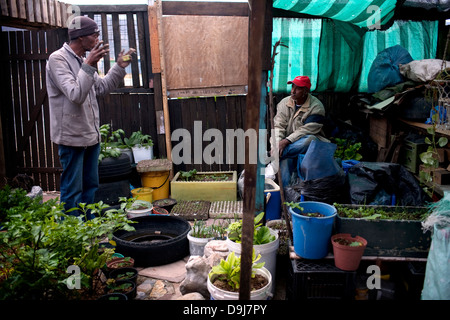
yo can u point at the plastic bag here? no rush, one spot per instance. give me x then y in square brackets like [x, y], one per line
[318, 161]
[385, 71]
[436, 285]
[370, 182]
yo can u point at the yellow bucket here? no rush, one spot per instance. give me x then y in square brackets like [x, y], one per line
[158, 181]
[143, 194]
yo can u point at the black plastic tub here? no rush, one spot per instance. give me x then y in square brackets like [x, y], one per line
[392, 238]
[157, 240]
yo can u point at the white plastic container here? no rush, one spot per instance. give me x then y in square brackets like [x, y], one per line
[142, 153]
[197, 245]
[264, 293]
[268, 253]
[133, 212]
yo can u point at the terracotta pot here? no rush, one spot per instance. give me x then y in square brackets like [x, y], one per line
[158, 210]
[166, 203]
[347, 257]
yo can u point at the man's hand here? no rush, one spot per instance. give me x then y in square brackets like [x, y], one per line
[98, 52]
[123, 60]
[282, 144]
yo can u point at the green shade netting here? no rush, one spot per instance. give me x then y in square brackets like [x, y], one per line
[362, 13]
[337, 56]
[302, 38]
[418, 37]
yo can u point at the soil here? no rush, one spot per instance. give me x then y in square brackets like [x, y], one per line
[258, 282]
[312, 214]
[212, 177]
[346, 242]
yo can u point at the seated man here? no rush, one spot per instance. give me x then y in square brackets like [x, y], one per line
[298, 121]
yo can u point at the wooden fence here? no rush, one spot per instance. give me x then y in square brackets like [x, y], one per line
[24, 108]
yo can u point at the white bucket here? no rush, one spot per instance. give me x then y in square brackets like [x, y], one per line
[268, 253]
[142, 153]
[264, 293]
[197, 245]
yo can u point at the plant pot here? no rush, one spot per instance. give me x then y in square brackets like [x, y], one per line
[197, 245]
[394, 238]
[160, 211]
[166, 203]
[268, 253]
[155, 174]
[312, 234]
[264, 293]
[347, 257]
[126, 273]
[205, 190]
[142, 153]
[113, 296]
[139, 208]
[144, 193]
[130, 291]
[120, 262]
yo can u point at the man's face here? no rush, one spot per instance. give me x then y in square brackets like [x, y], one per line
[90, 41]
[299, 94]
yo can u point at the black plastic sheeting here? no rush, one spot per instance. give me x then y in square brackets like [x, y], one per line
[376, 182]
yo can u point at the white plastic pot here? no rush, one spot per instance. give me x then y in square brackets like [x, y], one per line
[197, 245]
[142, 153]
[133, 213]
[268, 253]
[264, 293]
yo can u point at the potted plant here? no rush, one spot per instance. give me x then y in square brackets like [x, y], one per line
[265, 241]
[120, 262]
[201, 234]
[125, 273]
[208, 186]
[161, 211]
[166, 203]
[223, 281]
[125, 287]
[389, 230]
[312, 224]
[348, 251]
[141, 144]
[139, 208]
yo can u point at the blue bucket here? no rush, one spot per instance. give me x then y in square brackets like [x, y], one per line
[312, 234]
[273, 200]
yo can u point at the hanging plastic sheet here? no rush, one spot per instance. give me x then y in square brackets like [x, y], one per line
[437, 281]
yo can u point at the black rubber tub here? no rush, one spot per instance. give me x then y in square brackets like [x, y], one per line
[158, 240]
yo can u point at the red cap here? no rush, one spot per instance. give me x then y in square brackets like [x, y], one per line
[301, 81]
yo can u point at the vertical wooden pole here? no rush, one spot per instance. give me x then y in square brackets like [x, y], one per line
[256, 32]
[156, 6]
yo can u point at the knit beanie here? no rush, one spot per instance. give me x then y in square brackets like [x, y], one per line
[81, 26]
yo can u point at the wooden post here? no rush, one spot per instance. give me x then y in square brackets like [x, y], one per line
[155, 6]
[256, 32]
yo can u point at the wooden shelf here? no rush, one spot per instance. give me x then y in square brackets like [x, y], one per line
[425, 126]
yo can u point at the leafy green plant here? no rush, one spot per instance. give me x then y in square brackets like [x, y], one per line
[346, 150]
[430, 158]
[216, 230]
[376, 212]
[137, 138]
[229, 270]
[41, 242]
[261, 234]
[294, 205]
[109, 142]
[186, 175]
[13, 197]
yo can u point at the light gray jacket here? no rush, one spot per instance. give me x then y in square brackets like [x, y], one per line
[72, 87]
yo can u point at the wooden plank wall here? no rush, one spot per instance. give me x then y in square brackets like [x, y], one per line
[35, 13]
[24, 112]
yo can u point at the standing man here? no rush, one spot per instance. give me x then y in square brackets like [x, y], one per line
[72, 85]
[298, 121]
